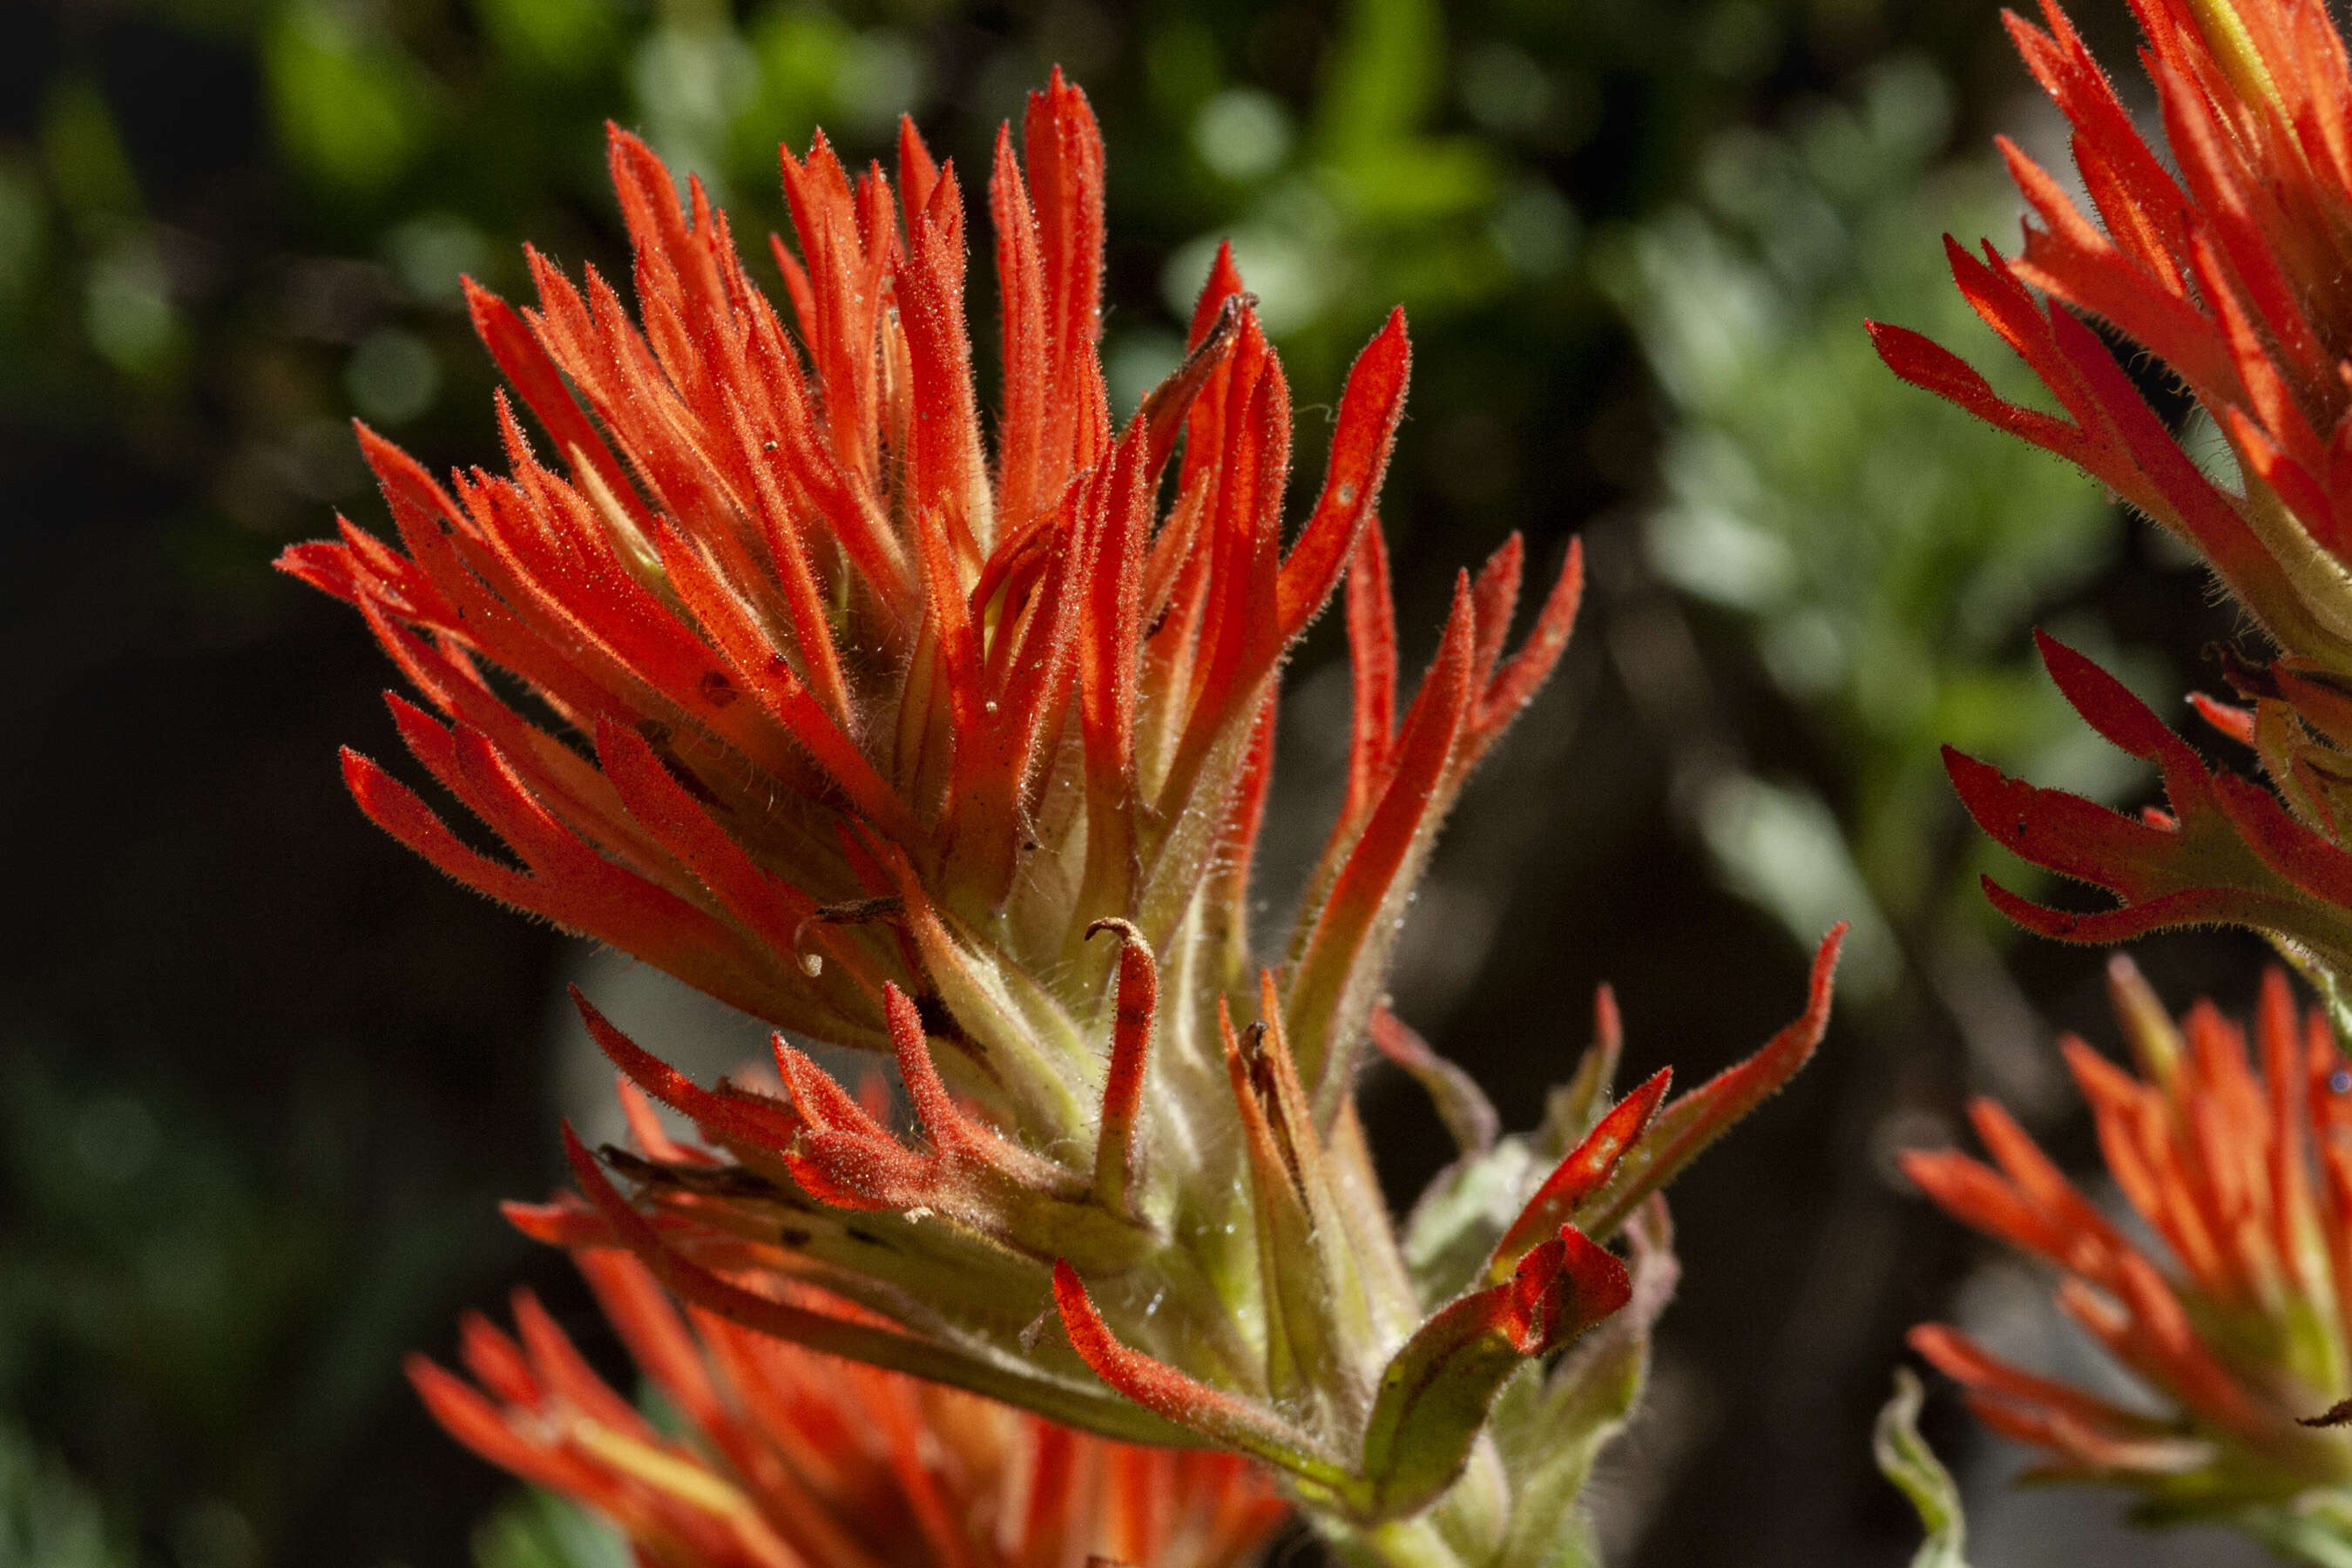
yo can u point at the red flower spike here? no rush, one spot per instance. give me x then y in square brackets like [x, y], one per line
[1963, 1185]
[1511, 685]
[2237, 723]
[497, 1363]
[2230, 851]
[965, 1147]
[2246, 1335]
[873, 723]
[773, 1473]
[715, 502]
[2231, 274]
[476, 1423]
[1373, 664]
[1370, 411]
[1964, 1360]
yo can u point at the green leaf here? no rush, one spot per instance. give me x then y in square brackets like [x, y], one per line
[349, 106]
[2315, 1528]
[562, 39]
[1386, 73]
[48, 1517]
[90, 167]
[535, 1528]
[1905, 1458]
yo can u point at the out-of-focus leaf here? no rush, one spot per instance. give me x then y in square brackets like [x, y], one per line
[1385, 74]
[800, 50]
[349, 108]
[550, 37]
[2316, 1529]
[535, 1528]
[83, 148]
[1905, 1458]
[186, 1292]
[48, 1517]
[1882, 567]
[1419, 181]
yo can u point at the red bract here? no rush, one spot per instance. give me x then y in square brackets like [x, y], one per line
[793, 1459]
[2228, 264]
[864, 706]
[2226, 851]
[902, 743]
[2231, 272]
[2244, 1175]
[1333, 1369]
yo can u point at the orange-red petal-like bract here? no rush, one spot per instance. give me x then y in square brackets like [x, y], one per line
[793, 1460]
[2241, 1170]
[955, 749]
[2229, 260]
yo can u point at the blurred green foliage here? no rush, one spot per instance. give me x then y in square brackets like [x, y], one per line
[1885, 558]
[205, 1325]
[49, 1519]
[218, 278]
[538, 1530]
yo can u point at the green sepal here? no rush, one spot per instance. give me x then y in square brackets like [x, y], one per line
[1436, 1391]
[1551, 1431]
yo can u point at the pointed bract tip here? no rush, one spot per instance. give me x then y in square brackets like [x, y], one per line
[1918, 1165]
[1825, 959]
[2227, 718]
[1608, 1023]
[568, 1222]
[584, 1168]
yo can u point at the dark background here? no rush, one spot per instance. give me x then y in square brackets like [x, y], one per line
[266, 1075]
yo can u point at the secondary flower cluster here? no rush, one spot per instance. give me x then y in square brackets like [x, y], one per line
[2225, 263]
[2244, 1175]
[960, 758]
[793, 1460]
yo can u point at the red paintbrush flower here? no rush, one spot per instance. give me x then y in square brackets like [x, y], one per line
[831, 656]
[2244, 1175]
[886, 732]
[793, 1459]
[2228, 265]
